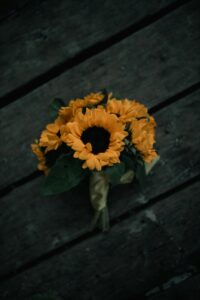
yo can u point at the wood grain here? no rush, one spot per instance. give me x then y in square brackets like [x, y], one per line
[50, 32]
[152, 65]
[32, 225]
[136, 255]
[10, 8]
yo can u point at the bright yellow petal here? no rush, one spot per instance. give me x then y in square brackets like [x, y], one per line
[97, 117]
[54, 128]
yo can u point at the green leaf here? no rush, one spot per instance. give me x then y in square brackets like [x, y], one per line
[135, 163]
[54, 106]
[52, 156]
[115, 172]
[64, 175]
[130, 148]
[129, 161]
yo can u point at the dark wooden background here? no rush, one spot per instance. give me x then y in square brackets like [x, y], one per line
[147, 50]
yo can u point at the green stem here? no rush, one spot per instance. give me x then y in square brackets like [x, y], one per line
[101, 219]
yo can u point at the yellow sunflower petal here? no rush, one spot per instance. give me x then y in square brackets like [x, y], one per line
[89, 147]
[41, 158]
[94, 98]
[54, 128]
[126, 109]
[143, 137]
[72, 133]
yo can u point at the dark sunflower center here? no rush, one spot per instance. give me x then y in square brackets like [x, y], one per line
[98, 137]
[58, 134]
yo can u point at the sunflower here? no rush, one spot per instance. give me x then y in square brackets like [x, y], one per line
[50, 137]
[143, 137]
[96, 137]
[74, 105]
[126, 109]
[93, 98]
[66, 113]
[40, 155]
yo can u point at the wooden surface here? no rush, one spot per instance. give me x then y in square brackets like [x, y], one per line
[180, 288]
[51, 32]
[151, 73]
[11, 8]
[152, 250]
[33, 242]
[134, 257]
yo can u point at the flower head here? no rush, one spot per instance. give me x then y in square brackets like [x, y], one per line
[50, 137]
[96, 137]
[68, 112]
[93, 98]
[143, 137]
[40, 155]
[126, 109]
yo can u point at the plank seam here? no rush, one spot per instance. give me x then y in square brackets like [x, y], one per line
[18, 183]
[181, 95]
[88, 53]
[150, 295]
[89, 234]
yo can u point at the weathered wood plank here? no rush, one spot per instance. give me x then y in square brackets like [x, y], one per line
[189, 289]
[50, 32]
[11, 7]
[185, 213]
[32, 225]
[151, 65]
[136, 255]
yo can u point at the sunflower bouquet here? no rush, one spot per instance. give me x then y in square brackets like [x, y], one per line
[108, 140]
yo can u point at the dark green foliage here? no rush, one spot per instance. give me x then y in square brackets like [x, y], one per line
[133, 161]
[115, 172]
[54, 106]
[53, 155]
[64, 175]
[129, 161]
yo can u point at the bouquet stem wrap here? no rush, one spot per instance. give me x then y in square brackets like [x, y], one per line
[99, 189]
